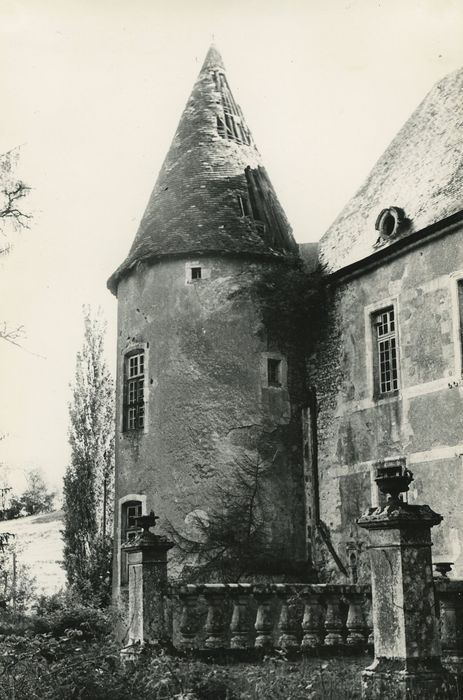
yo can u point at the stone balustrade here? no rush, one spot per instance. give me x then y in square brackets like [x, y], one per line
[281, 616]
[309, 617]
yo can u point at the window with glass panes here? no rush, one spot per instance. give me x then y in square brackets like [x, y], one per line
[387, 378]
[134, 406]
[133, 512]
[130, 511]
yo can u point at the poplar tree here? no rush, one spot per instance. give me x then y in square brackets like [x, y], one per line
[89, 478]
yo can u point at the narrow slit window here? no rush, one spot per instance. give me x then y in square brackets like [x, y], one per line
[273, 372]
[134, 404]
[387, 379]
[195, 273]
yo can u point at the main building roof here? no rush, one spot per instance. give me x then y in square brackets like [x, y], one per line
[421, 173]
[212, 194]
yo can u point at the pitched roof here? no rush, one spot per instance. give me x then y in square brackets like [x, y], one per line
[420, 173]
[212, 194]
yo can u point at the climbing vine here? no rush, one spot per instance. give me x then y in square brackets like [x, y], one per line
[292, 303]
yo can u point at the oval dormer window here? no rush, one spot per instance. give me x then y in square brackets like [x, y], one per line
[389, 222]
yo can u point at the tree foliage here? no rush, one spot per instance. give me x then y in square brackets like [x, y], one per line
[36, 497]
[223, 542]
[17, 584]
[231, 541]
[89, 479]
[292, 305]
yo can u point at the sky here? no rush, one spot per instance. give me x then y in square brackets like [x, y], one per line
[92, 91]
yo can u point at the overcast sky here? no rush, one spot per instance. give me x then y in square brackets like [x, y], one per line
[93, 90]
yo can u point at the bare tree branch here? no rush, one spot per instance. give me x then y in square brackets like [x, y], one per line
[12, 192]
[10, 208]
[12, 335]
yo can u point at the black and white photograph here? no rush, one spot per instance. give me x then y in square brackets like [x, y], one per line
[231, 350]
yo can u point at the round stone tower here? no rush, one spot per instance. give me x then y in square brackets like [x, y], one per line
[201, 386]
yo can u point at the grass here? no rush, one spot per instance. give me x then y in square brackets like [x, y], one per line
[41, 667]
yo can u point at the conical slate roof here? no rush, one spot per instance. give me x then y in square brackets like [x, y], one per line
[421, 173]
[212, 194]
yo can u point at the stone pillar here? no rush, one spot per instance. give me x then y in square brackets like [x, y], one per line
[147, 558]
[407, 644]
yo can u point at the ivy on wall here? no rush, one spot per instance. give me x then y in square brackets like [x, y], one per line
[292, 303]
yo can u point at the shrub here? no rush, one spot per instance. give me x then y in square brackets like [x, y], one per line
[66, 652]
[57, 614]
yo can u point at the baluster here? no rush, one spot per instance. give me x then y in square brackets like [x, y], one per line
[287, 638]
[187, 627]
[333, 621]
[238, 627]
[312, 623]
[355, 620]
[215, 627]
[263, 625]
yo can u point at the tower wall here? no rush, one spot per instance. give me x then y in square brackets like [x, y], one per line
[207, 399]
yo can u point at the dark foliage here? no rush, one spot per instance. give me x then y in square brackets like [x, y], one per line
[231, 543]
[71, 666]
[292, 303]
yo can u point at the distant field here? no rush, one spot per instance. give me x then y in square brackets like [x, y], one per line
[40, 547]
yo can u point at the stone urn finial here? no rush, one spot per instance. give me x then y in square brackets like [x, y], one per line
[393, 478]
[443, 568]
[146, 521]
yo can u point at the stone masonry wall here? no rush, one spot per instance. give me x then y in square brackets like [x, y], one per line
[424, 422]
[207, 402]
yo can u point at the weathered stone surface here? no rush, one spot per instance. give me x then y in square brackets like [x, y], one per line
[147, 588]
[194, 207]
[207, 401]
[395, 683]
[421, 172]
[423, 421]
[407, 640]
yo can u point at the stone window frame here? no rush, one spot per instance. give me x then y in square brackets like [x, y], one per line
[120, 555]
[204, 275]
[129, 350]
[283, 370]
[456, 282]
[372, 366]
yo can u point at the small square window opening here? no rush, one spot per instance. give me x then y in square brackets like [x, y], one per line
[195, 273]
[273, 372]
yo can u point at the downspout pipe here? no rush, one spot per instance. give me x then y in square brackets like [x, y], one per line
[320, 526]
